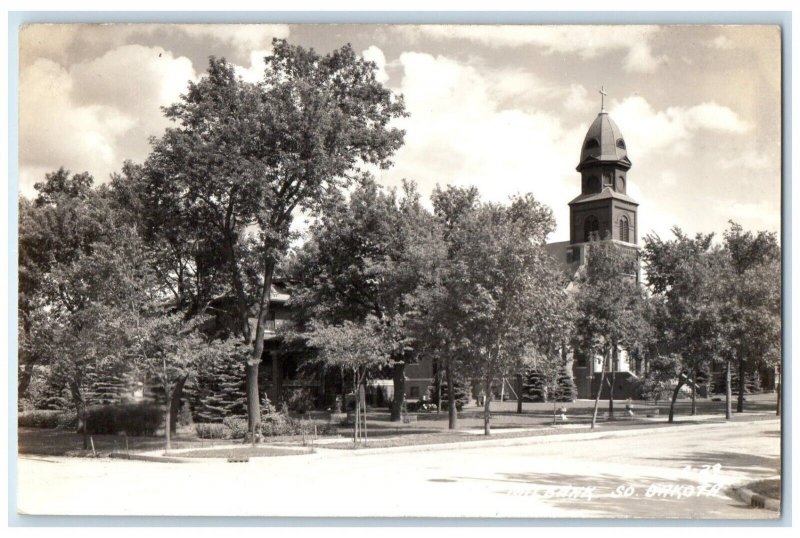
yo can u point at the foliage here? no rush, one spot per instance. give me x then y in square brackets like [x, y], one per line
[687, 272]
[237, 427]
[752, 301]
[355, 347]
[534, 386]
[609, 302]
[500, 296]
[40, 418]
[243, 157]
[211, 430]
[133, 419]
[460, 396]
[662, 372]
[565, 389]
[367, 256]
[299, 400]
[219, 389]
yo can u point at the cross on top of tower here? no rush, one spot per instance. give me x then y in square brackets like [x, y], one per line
[603, 94]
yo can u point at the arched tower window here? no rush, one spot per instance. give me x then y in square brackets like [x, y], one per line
[624, 229]
[591, 228]
[591, 144]
[593, 184]
[620, 184]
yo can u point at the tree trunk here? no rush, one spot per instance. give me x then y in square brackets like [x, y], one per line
[253, 404]
[519, 393]
[168, 422]
[740, 399]
[253, 407]
[24, 380]
[399, 382]
[694, 392]
[599, 388]
[778, 403]
[80, 411]
[613, 378]
[728, 389]
[452, 412]
[487, 416]
[681, 382]
[175, 403]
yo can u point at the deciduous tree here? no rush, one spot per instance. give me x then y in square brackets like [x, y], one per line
[243, 158]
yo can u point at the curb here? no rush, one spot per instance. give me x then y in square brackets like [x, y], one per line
[756, 500]
[144, 457]
[176, 458]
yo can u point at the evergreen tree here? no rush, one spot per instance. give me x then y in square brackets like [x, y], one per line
[534, 387]
[565, 389]
[219, 391]
[460, 393]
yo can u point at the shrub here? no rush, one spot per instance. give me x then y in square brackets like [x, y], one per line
[212, 430]
[39, 418]
[68, 420]
[133, 419]
[326, 428]
[299, 400]
[237, 427]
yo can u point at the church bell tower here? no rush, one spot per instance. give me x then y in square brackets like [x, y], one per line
[603, 211]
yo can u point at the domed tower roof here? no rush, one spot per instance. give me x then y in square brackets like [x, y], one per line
[603, 143]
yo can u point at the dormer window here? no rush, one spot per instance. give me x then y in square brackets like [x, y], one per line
[591, 144]
[620, 143]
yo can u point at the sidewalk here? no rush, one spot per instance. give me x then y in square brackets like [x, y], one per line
[575, 432]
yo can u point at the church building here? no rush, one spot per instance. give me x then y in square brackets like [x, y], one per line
[602, 211]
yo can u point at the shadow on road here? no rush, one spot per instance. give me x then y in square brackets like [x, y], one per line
[614, 497]
[730, 461]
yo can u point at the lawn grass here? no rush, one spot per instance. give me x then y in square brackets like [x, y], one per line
[429, 428]
[243, 452]
[56, 442]
[768, 488]
[444, 437]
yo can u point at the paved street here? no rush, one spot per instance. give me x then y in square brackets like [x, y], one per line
[636, 475]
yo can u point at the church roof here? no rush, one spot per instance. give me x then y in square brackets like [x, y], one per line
[603, 142]
[605, 194]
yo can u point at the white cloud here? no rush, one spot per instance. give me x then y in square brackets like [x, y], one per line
[578, 99]
[375, 54]
[720, 42]
[255, 71]
[588, 41]
[753, 160]
[132, 77]
[640, 59]
[97, 113]
[461, 131]
[245, 37]
[760, 215]
[54, 131]
[673, 128]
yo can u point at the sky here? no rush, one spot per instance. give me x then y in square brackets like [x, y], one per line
[504, 108]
